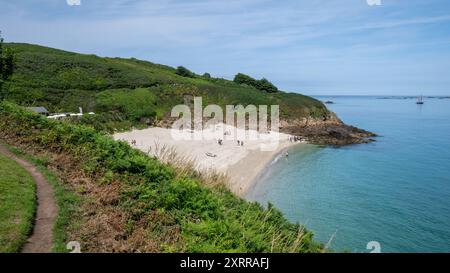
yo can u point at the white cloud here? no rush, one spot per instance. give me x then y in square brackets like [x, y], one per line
[73, 2]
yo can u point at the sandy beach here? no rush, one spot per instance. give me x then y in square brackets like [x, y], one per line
[241, 163]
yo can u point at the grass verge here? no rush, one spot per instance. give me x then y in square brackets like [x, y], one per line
[17, 205]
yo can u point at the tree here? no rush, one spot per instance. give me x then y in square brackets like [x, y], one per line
[6, 63]
[207, 75]
[183, 71]
[263, 84]
[267, 86]
[241, 78]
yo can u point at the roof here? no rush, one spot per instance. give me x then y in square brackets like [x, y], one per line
[40, 110]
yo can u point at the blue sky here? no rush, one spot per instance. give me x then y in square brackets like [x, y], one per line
[313, 47]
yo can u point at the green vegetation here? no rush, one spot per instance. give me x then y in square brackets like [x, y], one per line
[17, 205]
[134, 104]
[267, 86]
[263, 84]
[163, 207]
[6, 63]
[184, 72]
[175, 209]
[67, 201]
[129, 92]
[245, 79]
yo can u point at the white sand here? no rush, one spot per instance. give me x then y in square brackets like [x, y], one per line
[241, 164]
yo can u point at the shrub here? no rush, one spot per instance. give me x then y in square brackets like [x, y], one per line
[244, 79]
[263, 84]
[183, 71]
[267, 86]
[6, 63]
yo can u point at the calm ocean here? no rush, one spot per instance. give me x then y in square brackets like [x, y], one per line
[395, 191]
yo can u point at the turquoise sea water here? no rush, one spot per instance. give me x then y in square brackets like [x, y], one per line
[395, 191]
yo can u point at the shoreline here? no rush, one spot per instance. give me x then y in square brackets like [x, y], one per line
[245, 176]
[241, 164]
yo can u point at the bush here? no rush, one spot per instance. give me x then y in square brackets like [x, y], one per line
[245, 79]
[263, 84]
[6, 63]
[183, 71]
[267, 86]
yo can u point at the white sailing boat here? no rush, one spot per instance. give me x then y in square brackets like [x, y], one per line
[420, 100]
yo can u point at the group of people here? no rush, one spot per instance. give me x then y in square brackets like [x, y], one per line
[295, 138]
[239, 142]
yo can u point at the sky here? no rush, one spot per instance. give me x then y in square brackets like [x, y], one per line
[315, 47]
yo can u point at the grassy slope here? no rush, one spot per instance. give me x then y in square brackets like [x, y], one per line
[156, 207]
[128, 89]
[17, 205]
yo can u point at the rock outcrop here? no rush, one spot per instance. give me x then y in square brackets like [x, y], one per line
[329, 130]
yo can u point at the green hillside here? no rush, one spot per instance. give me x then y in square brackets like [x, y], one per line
[128, 91]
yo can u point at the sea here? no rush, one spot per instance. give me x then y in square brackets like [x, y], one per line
[392, 195]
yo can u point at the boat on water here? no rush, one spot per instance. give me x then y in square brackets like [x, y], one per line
[420, 100]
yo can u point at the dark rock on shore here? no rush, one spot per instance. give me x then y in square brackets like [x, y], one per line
[327, 131]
